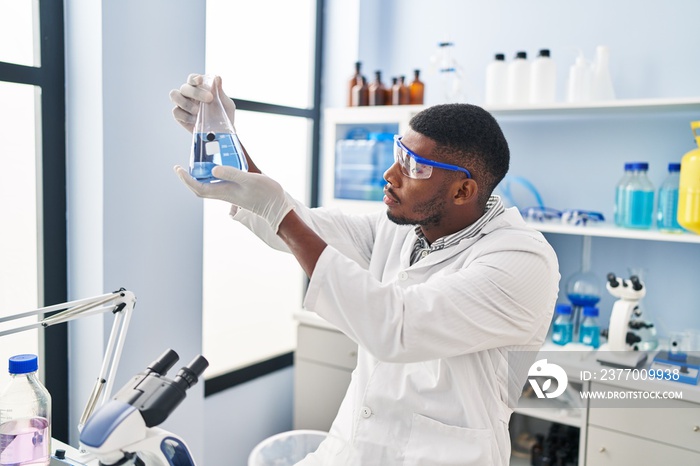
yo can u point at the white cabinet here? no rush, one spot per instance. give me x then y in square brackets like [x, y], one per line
[323, 363]
[613, 448]
[643, 435]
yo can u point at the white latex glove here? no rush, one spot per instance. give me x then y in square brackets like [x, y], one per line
[190, 94]
[254, 192]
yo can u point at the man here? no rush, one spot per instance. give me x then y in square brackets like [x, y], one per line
[439, 291]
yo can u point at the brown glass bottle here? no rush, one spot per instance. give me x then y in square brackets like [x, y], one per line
[389, 90]
[400, 94]
[353, 81]
[416, 89]
[360, 93]
[377, 91]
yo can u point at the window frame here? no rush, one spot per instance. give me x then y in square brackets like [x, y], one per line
[50, 77]
[313, 114]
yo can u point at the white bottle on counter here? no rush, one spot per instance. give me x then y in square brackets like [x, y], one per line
[543, 79]
[580, 81]
[519, 80]
[496, 81]
[602, 88]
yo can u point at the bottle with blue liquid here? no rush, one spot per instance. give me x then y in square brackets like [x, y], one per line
[667, 212]
[638, 209]
[214, 139]
[620, 195]
[563, 328]
[589, 333]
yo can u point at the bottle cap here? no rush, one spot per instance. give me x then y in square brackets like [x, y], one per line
[23, 364]
[544, 53]
[674, 167]
[500, 57]
[522, 55]
[628, 166]
[563, 309]
[590, 311]
[639, 166]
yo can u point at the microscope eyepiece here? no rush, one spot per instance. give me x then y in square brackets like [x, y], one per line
[612, 280]
[164, 363]
[636, 284]
[189, 374]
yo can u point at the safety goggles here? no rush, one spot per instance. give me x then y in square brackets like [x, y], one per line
[416, 167]
[575, 217]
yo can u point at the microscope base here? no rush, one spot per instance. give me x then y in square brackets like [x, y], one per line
[620, 359]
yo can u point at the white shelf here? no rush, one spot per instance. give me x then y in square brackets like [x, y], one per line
[620, 105]
[560, 415]
[610, 231]
[401, 113]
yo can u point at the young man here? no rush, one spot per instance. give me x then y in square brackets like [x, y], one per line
[439, 292]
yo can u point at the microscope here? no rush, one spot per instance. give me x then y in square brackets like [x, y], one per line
[123, 431]
[624, 340]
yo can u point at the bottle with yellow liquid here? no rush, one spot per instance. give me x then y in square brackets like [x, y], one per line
[689, 186]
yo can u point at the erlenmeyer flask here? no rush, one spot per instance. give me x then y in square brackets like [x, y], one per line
[214, 139]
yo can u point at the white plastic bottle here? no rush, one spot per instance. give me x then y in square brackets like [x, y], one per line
[496, 81]
[518, 84]
[25, 416]
[543, 79]
[601, 86]
[580, 81]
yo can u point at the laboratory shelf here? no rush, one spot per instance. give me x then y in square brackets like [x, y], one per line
[401, 113]
[611, 231]
[557, 413]
[610, 106]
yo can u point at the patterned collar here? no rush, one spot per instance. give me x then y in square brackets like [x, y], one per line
[421, 248]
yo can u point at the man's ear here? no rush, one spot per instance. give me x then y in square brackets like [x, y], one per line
[466, 191]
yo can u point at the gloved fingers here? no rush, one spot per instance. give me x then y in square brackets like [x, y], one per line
[186, 120]
[195, 79]
[232, 174]
[194, 185]
[228, 103]
[188, 105]
[196, 93]
[222, 191]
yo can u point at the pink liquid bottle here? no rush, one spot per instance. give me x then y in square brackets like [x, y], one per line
[25, 416]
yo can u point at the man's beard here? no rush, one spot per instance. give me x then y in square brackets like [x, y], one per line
[427, 214]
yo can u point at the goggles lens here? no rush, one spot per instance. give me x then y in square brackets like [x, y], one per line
[408, 164]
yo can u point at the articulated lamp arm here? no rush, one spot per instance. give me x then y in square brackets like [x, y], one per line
[121, 303]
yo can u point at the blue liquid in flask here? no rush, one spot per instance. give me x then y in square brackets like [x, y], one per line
[212, 149]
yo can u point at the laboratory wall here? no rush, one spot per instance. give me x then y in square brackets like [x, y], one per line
[131, 223]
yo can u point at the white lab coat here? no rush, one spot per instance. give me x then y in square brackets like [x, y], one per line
[437, 374]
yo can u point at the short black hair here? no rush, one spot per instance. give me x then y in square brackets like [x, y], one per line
[470, 137]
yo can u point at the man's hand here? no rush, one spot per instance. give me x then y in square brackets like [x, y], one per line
[194, 91]
[254, 192]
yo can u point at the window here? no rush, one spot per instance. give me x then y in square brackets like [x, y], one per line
[269, 64]
[32, 186]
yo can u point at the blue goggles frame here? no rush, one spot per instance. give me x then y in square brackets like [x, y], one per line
[417, 167]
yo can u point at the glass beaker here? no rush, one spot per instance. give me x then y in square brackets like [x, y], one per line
[214, 139]
[583, 291]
